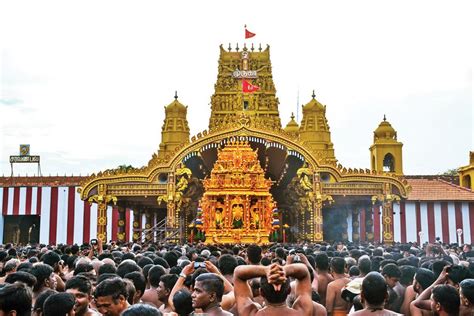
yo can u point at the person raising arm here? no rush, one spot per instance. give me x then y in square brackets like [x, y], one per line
[275, 287]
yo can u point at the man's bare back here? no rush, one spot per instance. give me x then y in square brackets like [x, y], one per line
[368, 312]
[280, 311]
[324, 278]
[334, 301]
[151, 297]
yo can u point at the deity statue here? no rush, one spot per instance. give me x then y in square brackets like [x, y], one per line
[218, 218]
[303, 174]
[237, 214]
[255, 216]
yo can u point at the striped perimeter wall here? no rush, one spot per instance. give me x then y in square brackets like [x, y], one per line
[64, 217]
[434, 219]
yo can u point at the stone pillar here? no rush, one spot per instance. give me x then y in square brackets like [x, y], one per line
[387, 222]
[102, 221]
[136, 225]
[121, 224]
[387, 215]
[369, 224]
[102, 214]
[170, 205]
[355, 225]
[362, 228]
[317, 210]
[148, 226]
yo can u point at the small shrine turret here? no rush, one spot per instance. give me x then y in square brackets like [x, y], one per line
[175, 130]
[386, 151]
[315, 132]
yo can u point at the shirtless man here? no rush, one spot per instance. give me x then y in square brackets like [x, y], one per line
[439, 298]
[207, 294]
[392, 275]
[151, 294]
[421, 281]
[373, 296]
[275, 287]
[335, 304]
[324, 278]
[466, 294]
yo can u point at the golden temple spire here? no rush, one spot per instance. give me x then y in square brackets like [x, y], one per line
[314, 130]
[229, 99]
[292, 127]
[175, 129]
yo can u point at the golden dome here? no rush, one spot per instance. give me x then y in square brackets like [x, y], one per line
[176, 107]
[385, 130]
[313, 105]
[292, 126]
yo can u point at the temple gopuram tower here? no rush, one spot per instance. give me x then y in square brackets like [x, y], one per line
[228, 100]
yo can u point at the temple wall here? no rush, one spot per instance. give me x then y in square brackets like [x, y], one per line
[433, 218]
[64, 217]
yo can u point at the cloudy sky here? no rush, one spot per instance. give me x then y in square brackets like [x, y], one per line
[85, 82]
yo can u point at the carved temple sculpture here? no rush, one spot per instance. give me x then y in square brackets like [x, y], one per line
[237, 204]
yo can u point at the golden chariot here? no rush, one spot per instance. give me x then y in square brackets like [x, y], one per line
[237, 206]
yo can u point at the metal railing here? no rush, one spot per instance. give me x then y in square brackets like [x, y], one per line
[160, 232]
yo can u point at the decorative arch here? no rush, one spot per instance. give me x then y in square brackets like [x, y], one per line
[466, 181]
[388, 164]
[275, 137]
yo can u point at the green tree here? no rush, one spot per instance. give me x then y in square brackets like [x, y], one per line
[125, 168]
[450, 172]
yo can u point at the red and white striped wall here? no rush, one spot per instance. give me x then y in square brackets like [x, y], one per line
[434, 219]
[64, 217]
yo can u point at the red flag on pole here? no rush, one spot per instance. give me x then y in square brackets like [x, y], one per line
[248, 34]
[247, 87]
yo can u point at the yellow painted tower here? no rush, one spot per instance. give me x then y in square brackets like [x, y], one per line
[386, 151]
[466, 173]
[314, 131]
[292, 127]
[175, 130]
[229, 101]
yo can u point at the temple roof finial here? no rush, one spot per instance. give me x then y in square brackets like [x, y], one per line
[292, 116]
[313, 95]
[176, 95]
[384, 118]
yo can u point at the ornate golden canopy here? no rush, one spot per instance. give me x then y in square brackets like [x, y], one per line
[237, 204]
